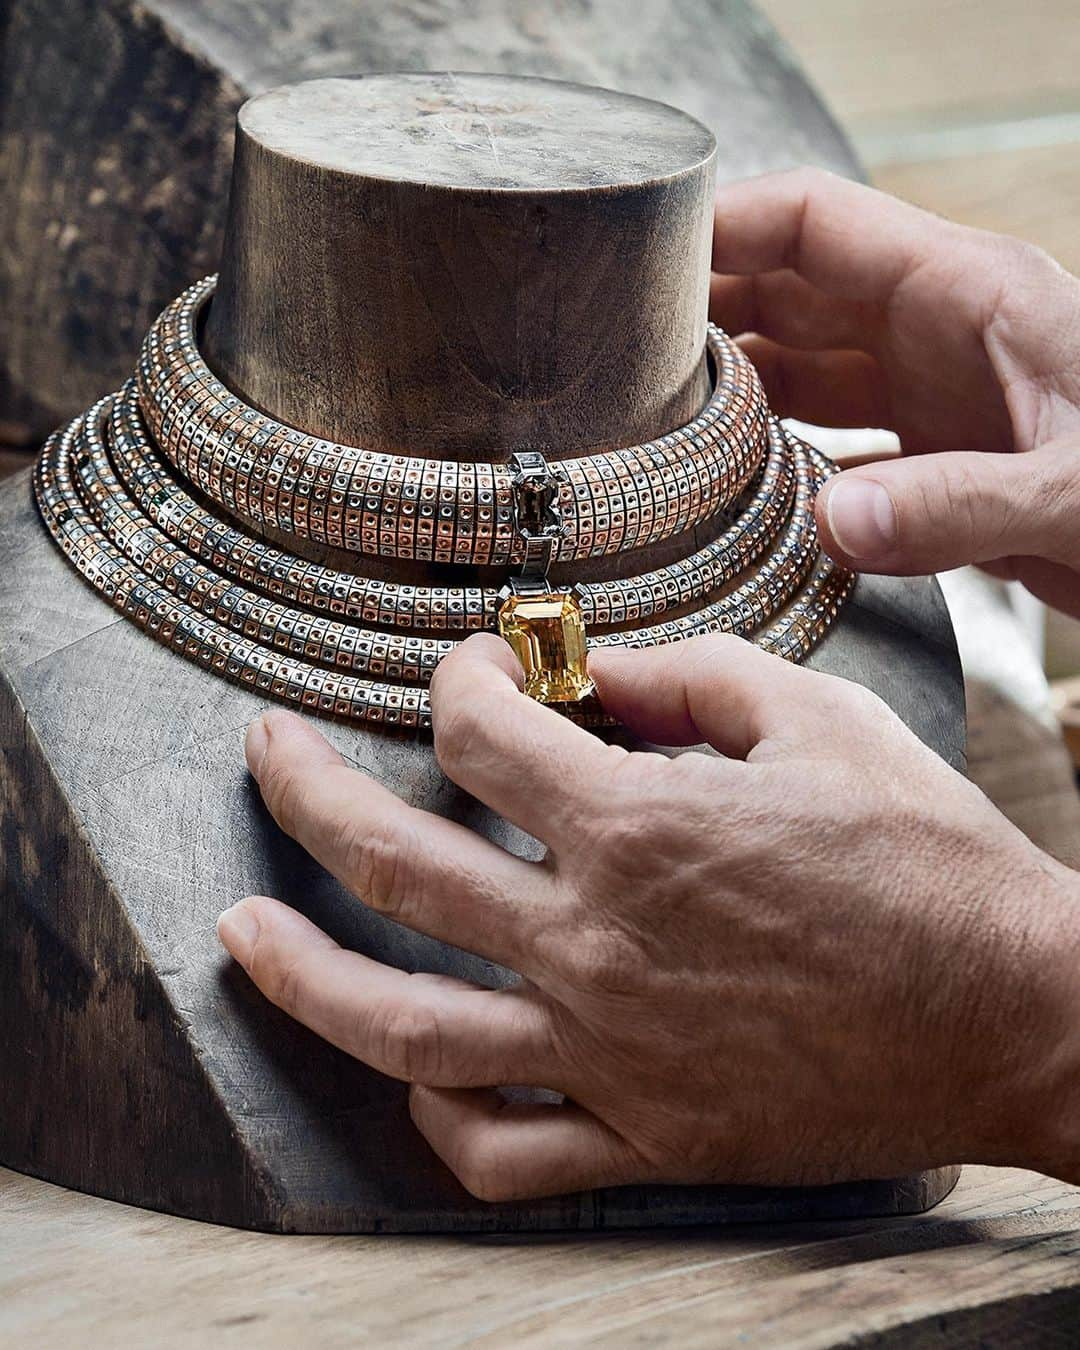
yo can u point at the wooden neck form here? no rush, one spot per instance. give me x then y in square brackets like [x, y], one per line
[461, 266]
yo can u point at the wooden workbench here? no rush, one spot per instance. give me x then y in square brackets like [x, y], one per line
[996, 1264]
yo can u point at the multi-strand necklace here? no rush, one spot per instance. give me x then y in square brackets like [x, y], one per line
[156, 494]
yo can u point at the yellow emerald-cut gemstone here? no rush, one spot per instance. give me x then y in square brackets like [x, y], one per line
[547, 633]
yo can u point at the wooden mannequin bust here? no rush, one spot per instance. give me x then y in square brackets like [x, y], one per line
[449, 265]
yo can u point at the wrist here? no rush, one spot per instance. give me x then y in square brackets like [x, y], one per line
[1032, 1072]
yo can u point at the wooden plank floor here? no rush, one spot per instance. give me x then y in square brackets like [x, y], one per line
[935, 92]
[887, 59]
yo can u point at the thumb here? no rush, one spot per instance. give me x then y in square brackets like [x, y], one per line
[928, 513]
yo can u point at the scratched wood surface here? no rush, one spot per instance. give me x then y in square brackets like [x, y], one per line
[491, 263]
[1031, 193]
[996, 1265]
[118, 128]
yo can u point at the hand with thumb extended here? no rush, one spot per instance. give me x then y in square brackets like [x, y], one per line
[860, 310]
[1017, 515]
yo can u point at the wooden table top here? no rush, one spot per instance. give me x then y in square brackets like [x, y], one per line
[997, 1263]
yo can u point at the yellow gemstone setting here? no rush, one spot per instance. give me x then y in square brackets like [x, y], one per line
[546, 630]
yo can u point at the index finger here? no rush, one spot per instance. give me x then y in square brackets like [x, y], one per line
[847, 239]
[524, 760]
[724, 690]
[429, 873]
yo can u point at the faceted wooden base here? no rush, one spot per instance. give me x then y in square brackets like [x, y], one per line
[141, 1065]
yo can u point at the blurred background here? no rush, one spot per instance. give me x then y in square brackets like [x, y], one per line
[970, 108]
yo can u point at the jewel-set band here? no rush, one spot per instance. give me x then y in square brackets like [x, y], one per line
[114, 487]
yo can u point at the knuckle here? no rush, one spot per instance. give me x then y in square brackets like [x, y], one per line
[456, 735]
[283, 792]
[1055, 495]
[605, 961]
[974, 505]
[809, 178]
[616, 833]
[1006, 512]
[376, 864]
[289, 985]
[471, 737]
[410, 1045]
[486, 1172]
[964, 506]
[706, 651]
[649, 812]
[280, 978]
[856, 701]
[840, 709]
[992, 248]
[1059, 480]
[623, 832]
[438, 677]
[1025, 257]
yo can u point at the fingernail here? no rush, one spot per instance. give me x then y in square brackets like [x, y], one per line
[255, 743]
[238, 929]
[861, 516]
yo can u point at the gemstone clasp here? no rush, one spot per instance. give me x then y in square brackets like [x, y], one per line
[546, 630]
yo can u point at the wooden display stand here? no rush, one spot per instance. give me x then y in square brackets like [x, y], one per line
[118, 123]
[444, 265]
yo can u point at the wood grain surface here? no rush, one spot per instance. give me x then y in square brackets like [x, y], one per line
[118, 126]
[996, 1265]
[882, 59]
[466, 265]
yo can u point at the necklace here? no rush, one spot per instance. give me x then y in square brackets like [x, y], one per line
[113, 489]
[436, 510]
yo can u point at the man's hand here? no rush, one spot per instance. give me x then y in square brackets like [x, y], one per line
[867, 312]
[818, 955]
